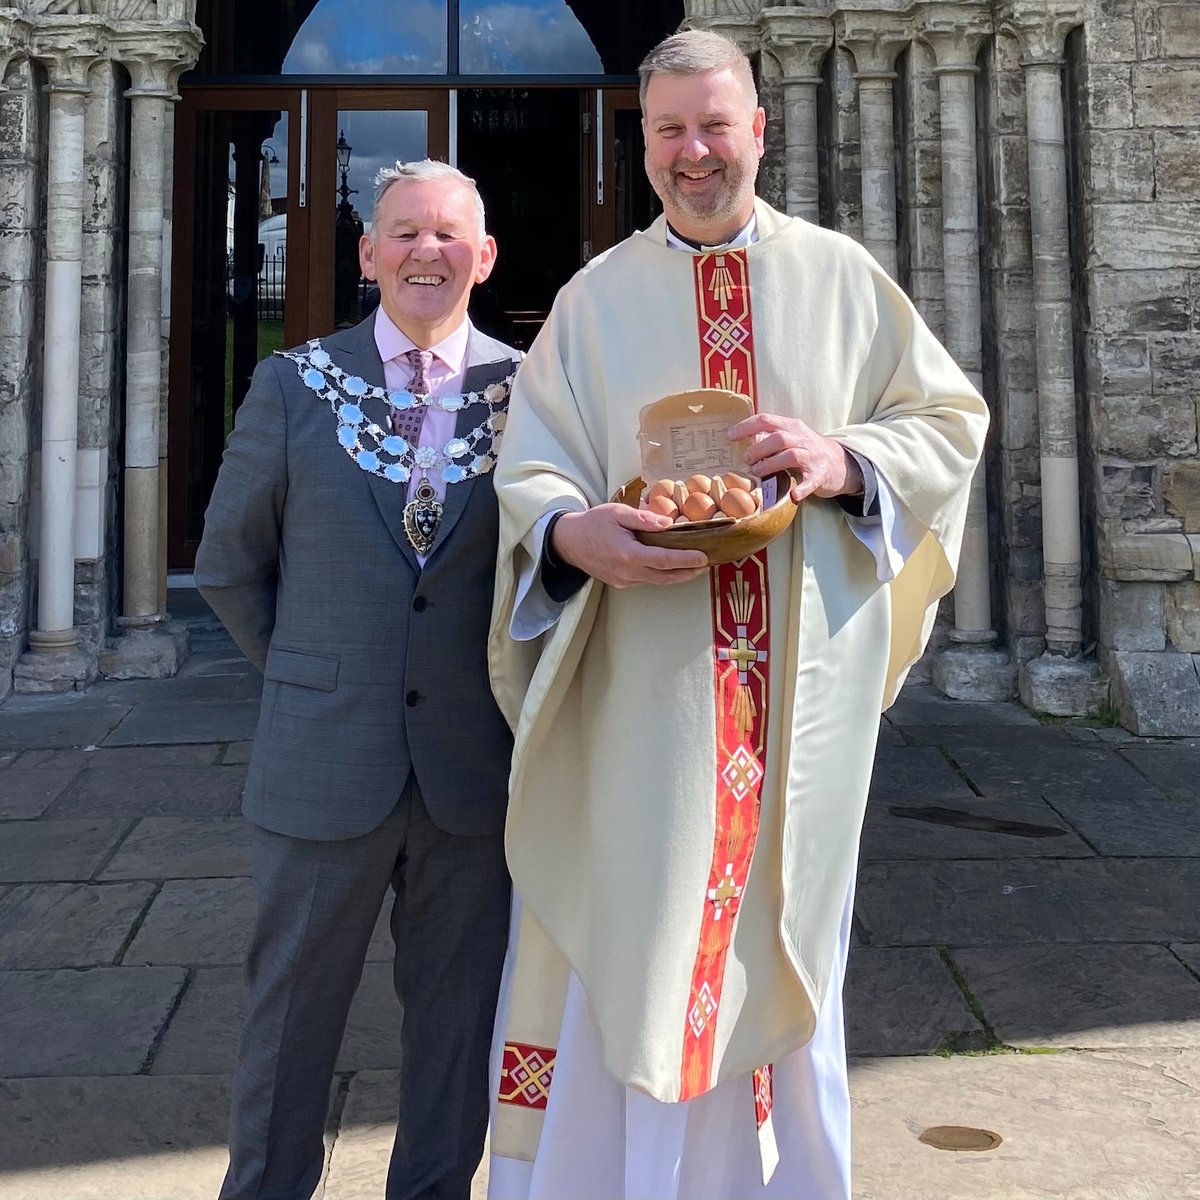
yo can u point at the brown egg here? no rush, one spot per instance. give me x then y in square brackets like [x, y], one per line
[735, 482]
[680, 494]
[758, 498]
[664, 487]
[663, 505]
[737, 503]
[718, 489]
[699, 506]
[699, 483]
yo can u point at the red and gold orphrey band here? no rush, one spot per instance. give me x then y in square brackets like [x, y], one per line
[525, 1075]
[741, 646]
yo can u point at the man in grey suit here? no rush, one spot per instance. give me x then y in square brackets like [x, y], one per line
[349, 548]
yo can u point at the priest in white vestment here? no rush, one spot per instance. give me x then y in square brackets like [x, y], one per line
[694, 744]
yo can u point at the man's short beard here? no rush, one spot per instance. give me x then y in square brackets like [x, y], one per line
[724, 204]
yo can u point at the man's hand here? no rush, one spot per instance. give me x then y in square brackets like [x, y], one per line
[601, 542]
[826, 468]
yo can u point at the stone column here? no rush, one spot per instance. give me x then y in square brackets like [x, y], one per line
[150, 646]
[56, 663]
[799, 42]
[875, 39]
[1060, 682]
[972, 667]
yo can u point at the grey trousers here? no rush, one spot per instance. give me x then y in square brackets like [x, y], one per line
[317, 903]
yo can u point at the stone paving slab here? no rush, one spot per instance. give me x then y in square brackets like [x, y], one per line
[28, 722]
[920, 704]
[46, 851]
[117, 1138]
[124, 757]
[224, 659]
[68, 924]
[1118, 824]
[888, 835]
[221, 688]
[902, 1002]
[97, 1022]
[25, 795]
[1054, 769]
[152, 792]
[180, 848]
[381, 948]
[1085, 997]
[1075, 1127]
[915, 775]
[203, 1035]
[1173, 767]
[195, 921]
[169, 722]
[1028, 900]
[359, 1162]
[237, 753]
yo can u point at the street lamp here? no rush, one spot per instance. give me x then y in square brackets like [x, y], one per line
[344, 150]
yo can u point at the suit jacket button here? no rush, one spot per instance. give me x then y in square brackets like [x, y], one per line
[412, 699]
[420, 604]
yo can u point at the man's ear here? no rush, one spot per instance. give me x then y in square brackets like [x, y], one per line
[759, 126]
[366, 257]
[487, 259]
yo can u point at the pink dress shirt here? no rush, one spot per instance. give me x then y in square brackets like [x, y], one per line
[445, 378]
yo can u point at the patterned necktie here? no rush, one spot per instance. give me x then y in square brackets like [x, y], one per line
[407, 422]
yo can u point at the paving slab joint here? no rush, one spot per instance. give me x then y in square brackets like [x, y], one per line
[991, 1042]
[137, 923]
[157, 1041]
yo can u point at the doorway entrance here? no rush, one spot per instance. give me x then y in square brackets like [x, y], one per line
[274, 187]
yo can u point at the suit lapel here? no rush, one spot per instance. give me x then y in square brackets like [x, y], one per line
[477, 376]
[357, 353]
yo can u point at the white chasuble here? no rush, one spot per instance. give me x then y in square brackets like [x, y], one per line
[692, 762]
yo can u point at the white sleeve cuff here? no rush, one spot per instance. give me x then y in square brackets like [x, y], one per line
[533, 612]
[894, 533]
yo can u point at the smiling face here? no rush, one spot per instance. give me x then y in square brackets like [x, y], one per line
[426, 252]
[704, 138]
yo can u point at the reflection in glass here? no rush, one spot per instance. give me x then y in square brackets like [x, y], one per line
[371, 37]
[238, 268]
[536, 37]
[367, 142]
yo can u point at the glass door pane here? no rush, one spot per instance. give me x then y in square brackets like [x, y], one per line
[236, 177]
[622, 200]
[354, 136]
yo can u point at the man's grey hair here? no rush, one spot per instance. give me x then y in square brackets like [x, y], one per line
[425, 169]
[696, 52]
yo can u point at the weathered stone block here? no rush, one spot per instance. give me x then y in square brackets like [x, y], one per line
[1132, 302]
[1007, 96]
[926, 174]
[1011, 166]
[1166, 94]
[1181, 491]
[1018, 418]
[1176, 163]
[1168, 31]
[1145, 236]
[1122, 165]
[1175, 363]
[1109, 97]
[1125, 491]
[1137, 557]
[1183, 616]
[1146, 427]
[155, 653]
[1010, 248]
[1062, 687]
[1157, 694]
[1132, 615]
[1120, 364]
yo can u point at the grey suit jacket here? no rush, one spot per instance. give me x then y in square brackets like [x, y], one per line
[372, 665]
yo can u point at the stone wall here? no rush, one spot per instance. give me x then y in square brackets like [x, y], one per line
[1141, 220]
[22, 266]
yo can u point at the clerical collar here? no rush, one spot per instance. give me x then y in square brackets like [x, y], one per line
[746, 236]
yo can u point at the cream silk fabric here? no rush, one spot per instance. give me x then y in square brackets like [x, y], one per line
[611, 817]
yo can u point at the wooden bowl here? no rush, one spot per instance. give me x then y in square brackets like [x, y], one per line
[723, 540]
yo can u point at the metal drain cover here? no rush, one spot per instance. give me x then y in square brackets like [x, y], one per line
[960, 1137]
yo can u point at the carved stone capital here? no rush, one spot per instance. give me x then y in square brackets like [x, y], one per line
[797, 41]
[1041, 27]
[156, 56]
[874, 38]
[68, 47]
[698, 13]
[954, 31]
[741, 30]
[14, 40]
